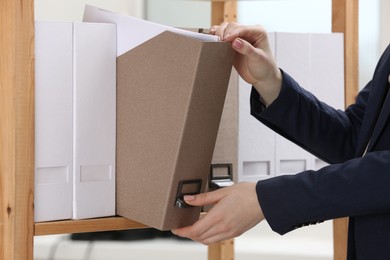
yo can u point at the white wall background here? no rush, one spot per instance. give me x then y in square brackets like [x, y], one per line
[179, 13]
[288, 16]
[72, 10]
[369, 37]
[384, 24]
[275, 15]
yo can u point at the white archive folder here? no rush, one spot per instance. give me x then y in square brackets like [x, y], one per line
[255, 152]
[75, 120]
[53, 121]
[94, 87]
[316, 61]
[292, 54]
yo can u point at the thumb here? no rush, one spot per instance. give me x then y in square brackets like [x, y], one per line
[204, 199]
[243, 47]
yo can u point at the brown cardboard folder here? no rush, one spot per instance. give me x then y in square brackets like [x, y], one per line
[170, 94]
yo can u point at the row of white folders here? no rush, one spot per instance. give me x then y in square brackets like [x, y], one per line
[75, 120]
[75, 110]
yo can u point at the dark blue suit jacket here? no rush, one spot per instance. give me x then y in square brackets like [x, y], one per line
[353, 185]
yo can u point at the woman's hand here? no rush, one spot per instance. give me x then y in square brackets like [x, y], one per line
[254, 60]
[236, 210]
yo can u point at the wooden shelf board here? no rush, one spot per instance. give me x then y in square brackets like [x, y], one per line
[85, 225]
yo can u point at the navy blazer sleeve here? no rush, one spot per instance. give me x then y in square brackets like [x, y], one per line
[299, 116]
[351, 186]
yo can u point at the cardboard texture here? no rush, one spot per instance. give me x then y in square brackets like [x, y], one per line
[170, 94]
[226, 146]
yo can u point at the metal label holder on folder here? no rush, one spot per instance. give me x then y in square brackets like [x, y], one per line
[217, 181]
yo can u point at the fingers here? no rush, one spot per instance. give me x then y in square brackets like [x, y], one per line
[213, 29]
[213, 226]
[243, 47]
[204, 199]
[230, 31]
[218, 227]
[224, 30]
[219, 30]
[242, 37]
[208, 225]
[236, 210]
[208, 230]
[195, 231]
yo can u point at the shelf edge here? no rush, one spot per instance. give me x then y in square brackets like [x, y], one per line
[85, 225]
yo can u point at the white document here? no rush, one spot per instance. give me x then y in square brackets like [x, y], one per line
[53, 121]
[132, 31]
[94, 119]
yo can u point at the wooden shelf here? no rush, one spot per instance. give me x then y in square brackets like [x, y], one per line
[17, 227]
[86, 225]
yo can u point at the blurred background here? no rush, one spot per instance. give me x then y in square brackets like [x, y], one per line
[314, 242]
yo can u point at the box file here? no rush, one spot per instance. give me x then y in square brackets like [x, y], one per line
[75, 120]
[171, 89]
[94, 119]
[53, 121]
[168, 111]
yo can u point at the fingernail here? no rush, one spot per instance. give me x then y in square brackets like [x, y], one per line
[212, 29]
[227, 36]
[189, 197]
[237, 43]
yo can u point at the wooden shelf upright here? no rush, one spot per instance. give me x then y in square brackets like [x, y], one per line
[17, 227]
[16, 129]
[345, 20]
